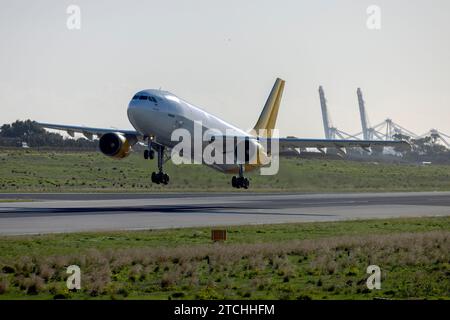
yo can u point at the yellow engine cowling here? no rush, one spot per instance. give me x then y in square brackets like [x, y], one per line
[115, 145]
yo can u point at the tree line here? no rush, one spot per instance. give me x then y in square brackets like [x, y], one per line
[29, 132]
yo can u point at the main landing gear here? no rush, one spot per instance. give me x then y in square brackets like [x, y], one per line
[160, 177]
[240, 181]
[157, 177]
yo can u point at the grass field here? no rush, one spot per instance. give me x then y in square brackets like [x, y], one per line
[32, 171]
[294, 261]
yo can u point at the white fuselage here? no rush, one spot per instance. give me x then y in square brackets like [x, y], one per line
[156, 113]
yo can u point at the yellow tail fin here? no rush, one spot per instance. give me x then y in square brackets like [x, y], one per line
[269, 114]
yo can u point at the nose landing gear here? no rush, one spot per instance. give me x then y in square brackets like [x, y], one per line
[240, 181]
[157, 177]
[149, 154]
[160, 177]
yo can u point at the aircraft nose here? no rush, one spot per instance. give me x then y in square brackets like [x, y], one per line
[133, 109]
[132, 104]
[138, 116]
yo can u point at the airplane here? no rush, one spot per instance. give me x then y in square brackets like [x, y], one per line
[155, 114]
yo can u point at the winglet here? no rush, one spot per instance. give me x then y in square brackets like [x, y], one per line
[268, 116]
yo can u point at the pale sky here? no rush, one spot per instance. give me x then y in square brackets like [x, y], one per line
[224, 57]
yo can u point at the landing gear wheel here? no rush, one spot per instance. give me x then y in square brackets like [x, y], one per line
[149, 154]
[160, 177]
[164, 178]
[155, 178]
[240, 182]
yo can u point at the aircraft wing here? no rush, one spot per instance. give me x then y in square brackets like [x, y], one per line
[88, 132]
[337, 143]
[292, 142]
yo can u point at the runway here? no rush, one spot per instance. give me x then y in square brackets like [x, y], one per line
[73, 212]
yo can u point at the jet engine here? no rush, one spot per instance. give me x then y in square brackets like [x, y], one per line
[116, 145]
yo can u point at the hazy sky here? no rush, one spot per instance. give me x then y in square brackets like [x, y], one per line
[224, 57]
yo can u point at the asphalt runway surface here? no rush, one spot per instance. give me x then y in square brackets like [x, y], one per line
[73, 212]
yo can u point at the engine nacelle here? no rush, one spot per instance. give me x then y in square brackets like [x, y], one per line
[115, 145]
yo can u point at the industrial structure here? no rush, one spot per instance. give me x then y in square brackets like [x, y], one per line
[437, 136]
[366, 130]
[331, 132]
[385, 130]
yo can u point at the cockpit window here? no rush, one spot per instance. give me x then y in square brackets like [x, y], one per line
[143, 97]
